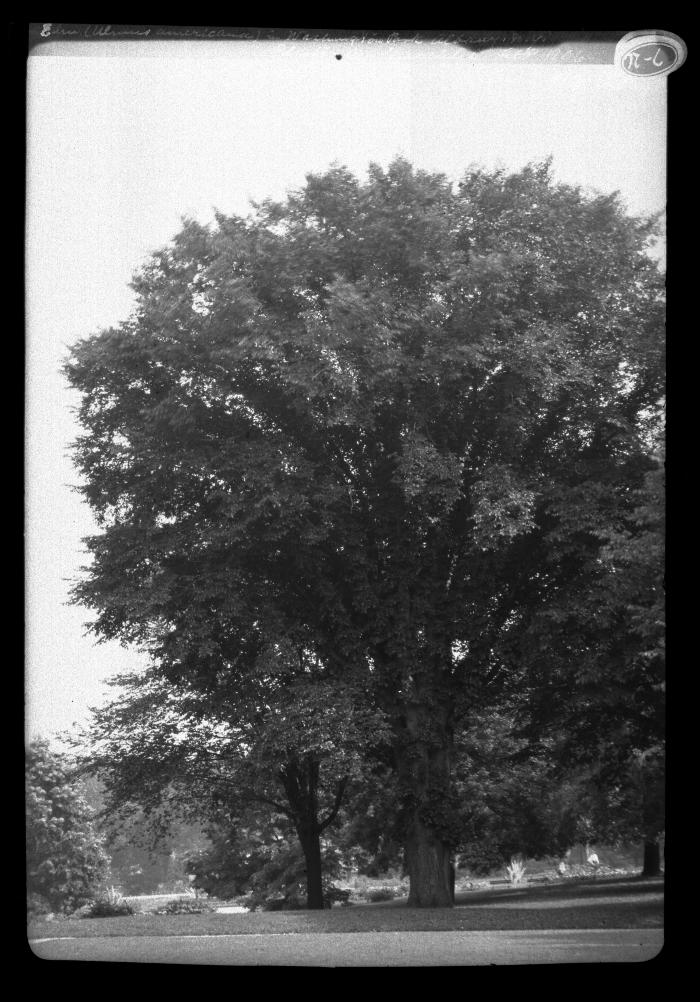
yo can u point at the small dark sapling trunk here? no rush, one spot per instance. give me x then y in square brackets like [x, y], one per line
[311, 844]
[300, 781]
[652, 858]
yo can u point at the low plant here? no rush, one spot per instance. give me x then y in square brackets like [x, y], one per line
[104, 909]
[381, 894]
[110, 904]
[333, 894]
[516, 871]
[184, 906]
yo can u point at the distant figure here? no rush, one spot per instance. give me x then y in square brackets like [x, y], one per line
[562, 868]
[592, 858]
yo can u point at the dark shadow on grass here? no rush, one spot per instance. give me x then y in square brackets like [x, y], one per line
[584, 887]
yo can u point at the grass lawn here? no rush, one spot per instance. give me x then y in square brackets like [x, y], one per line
[594, 903]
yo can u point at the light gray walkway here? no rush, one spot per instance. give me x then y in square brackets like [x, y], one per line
[373, 949]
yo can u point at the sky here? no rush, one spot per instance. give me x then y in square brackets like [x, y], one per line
[126, 138]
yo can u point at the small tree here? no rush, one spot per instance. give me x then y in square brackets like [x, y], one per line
[66, 859]
[286, 760]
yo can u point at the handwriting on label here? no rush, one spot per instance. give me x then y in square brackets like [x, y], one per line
[649, 59]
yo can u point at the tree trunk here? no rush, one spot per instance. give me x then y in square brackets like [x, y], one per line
[652, 859]
[300, 781]
[429, 869]
[311, 844]
[425, 768]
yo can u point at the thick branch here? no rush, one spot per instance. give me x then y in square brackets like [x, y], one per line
[336, 805]
[273, 803]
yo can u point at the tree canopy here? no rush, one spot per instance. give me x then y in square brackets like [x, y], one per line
[391, 422]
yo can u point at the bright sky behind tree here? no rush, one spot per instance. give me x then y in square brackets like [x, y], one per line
[125, 138]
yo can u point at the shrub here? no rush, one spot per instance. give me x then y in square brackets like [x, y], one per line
[280, 878]
[109, 904]
[332, 894]
[107, 909]
[381, 894]
[184, 906]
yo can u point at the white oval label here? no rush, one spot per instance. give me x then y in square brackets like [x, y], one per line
[650, 53]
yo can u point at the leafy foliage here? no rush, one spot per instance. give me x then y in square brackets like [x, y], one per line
[370, 838]
[146, 855]
[266, 867]
[607, 666]
[598, 704]
[623, 805]
[260, 768]
[238, 852]
[513, 803]
[66, 859]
